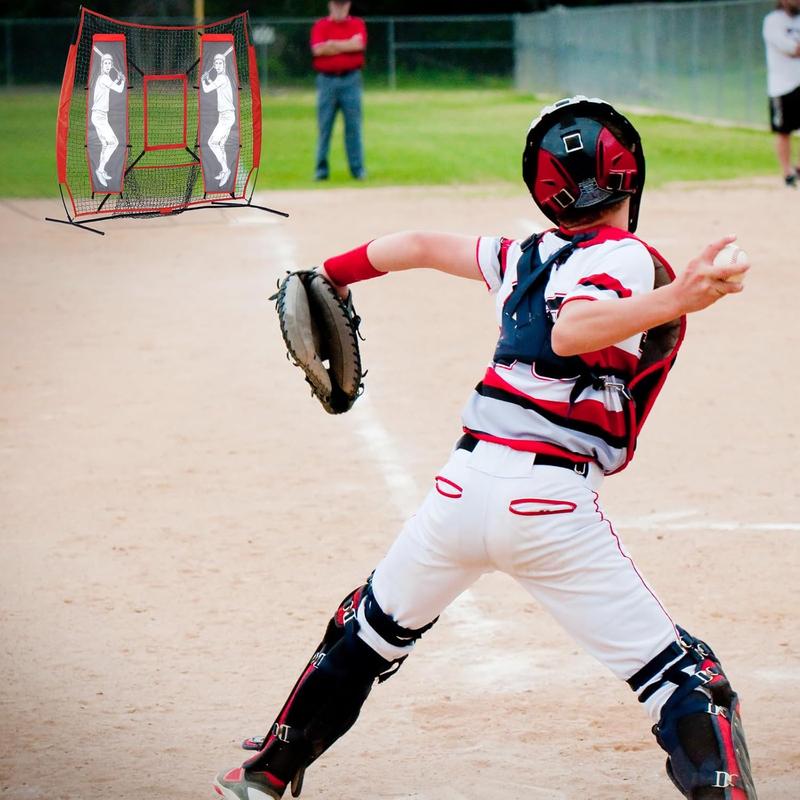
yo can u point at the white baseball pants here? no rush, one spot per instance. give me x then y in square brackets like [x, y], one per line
[495, 509]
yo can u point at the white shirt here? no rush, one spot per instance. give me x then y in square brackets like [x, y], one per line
[781, 37]
[222, 83]
[102, 86]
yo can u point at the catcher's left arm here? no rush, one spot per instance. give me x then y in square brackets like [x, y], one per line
[319, 323]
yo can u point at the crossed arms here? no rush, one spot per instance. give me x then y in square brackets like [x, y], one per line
[333, 47]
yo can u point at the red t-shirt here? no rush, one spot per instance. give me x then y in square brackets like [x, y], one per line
[325, 29]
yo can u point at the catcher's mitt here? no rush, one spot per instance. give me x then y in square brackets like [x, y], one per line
[320, 330]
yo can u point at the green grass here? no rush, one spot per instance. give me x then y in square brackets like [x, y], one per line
[411, 137]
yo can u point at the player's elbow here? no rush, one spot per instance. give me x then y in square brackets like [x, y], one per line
[563, 343]
[413, 245]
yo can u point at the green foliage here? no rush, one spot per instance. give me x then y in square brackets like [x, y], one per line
[411, 137]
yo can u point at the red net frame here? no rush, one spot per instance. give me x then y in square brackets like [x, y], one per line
[151, 173]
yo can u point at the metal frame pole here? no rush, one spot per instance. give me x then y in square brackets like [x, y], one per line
[391, 48]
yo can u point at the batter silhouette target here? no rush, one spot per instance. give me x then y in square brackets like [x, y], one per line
[157, 119]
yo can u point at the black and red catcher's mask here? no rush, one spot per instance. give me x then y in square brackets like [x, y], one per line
[581, 153]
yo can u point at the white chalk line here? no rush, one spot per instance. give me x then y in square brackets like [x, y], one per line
[745, 527]
[681, 521]
[382, 448]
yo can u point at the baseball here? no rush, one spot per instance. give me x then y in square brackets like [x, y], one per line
[732, 255]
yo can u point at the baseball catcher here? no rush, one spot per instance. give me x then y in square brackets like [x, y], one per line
[320, 329]
[591, 319]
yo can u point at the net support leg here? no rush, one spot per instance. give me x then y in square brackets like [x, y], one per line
[80, 225]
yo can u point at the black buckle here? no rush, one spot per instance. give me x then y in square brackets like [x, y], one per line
[706, 675]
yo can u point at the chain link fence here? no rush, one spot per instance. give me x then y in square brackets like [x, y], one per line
[699, 59]
[703, 59]
[402, 51]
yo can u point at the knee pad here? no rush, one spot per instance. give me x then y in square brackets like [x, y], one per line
[383, 634]
[700, 726]
[327, 698]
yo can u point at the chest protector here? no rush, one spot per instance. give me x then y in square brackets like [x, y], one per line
[526, 333]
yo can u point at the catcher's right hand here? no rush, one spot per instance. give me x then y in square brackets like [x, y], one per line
[320, 330]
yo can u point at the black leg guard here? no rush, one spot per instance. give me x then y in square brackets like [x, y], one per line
[700, 726]
[327, 698]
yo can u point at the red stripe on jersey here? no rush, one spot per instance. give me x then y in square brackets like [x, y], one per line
[613, 359]
[591, 411]
[576, 297]
[604, 281]
[528, 446]
[504, 245]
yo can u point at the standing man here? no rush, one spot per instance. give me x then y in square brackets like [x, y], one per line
[338, 42]
[782, 38]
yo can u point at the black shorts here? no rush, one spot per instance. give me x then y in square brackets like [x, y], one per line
[784, 112]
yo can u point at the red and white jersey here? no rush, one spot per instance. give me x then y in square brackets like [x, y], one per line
[517, 406]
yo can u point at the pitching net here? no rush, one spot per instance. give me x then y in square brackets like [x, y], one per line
[156, 119]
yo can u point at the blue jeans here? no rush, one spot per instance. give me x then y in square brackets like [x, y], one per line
[334, 94]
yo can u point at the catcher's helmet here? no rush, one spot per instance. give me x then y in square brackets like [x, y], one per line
[581, 154]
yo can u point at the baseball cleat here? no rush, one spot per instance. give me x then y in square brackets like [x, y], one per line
[224, 177]
[254, 742]
[236, 784]
[101, 176]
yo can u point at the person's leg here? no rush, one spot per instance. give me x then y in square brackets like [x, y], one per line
[225, 125]
[351, 110]
[783, 149]
[215, 147]
[109, 143]
[797, 157]
[437, 555]
[576, 566]
[792, 118]
[780, 123]
[326, 113]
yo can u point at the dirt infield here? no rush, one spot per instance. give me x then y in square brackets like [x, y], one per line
[180, 518]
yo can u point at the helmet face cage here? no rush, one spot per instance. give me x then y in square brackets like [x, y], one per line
[582, 154]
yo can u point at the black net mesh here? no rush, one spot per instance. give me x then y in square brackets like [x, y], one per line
[163, 81]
